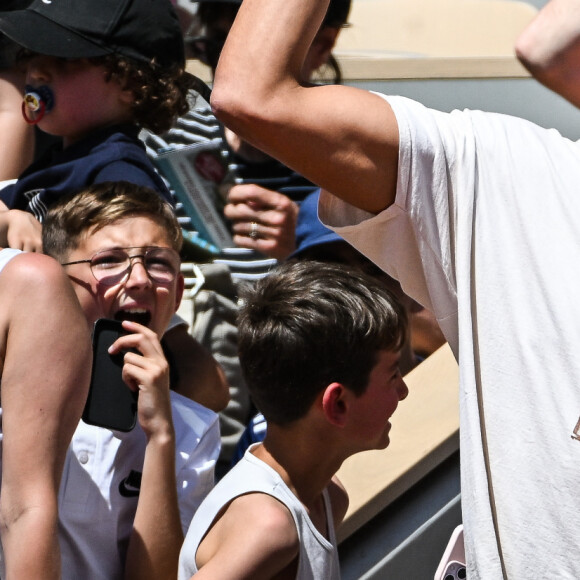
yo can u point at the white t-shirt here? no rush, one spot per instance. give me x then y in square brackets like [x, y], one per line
[98, 499]
[485, 232]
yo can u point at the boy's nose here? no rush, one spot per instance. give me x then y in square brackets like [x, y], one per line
[138, 275]
[403, 390]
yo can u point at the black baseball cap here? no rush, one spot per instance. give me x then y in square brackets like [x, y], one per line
[138, 29]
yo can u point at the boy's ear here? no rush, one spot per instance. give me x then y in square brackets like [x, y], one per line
[334, 404]
[127, 97]
[179, 289]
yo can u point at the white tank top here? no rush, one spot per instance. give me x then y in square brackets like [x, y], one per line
[318, 558]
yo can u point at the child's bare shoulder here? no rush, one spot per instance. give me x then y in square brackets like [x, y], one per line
[263, 515]
[254, 532]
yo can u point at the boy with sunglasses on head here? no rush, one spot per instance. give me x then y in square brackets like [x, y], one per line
[96, 72]
[126, 498]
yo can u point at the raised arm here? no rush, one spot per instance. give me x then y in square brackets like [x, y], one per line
[45, 352]
[341, 138]
[549, 48]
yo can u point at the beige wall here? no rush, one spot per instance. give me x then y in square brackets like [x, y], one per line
[432, 38]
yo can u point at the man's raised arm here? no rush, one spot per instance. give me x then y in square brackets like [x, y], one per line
[343, 139]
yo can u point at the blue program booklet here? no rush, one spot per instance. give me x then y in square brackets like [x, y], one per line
[196, 173]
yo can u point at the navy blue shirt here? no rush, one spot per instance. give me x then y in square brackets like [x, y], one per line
[110, 154]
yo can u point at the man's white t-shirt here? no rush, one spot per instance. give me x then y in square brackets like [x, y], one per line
[485, 232]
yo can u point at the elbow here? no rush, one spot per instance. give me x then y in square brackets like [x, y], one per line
[241, 108]
[223, 392]
[224, 103]
[232, 110]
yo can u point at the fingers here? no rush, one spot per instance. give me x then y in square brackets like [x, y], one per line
[145, 366]
[24, 231]
[262, 220]
[146, 369]
[254, 196]
[140, 338]
[31, 245]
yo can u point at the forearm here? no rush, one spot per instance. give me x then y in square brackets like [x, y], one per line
[157, 535]
[277, 34]
[31, 524]
[549, 48]
[286, 27]
[197, 375]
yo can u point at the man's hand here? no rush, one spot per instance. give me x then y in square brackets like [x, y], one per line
[262, 219]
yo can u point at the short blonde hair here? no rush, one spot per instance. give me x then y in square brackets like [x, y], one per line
[100, 205]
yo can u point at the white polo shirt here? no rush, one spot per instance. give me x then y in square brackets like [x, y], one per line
[98, 494]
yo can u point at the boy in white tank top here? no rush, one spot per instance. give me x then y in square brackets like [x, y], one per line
[319, 346]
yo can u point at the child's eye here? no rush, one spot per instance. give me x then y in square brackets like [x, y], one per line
[109, 259]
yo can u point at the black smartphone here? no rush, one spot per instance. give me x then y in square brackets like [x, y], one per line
[110, 402]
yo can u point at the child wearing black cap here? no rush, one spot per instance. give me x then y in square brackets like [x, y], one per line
[97, 71]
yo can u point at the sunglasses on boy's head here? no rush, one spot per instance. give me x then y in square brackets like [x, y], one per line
[110, 267]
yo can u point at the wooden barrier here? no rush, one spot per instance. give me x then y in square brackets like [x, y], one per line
[421, 39]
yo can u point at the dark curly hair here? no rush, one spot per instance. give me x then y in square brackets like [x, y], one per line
[160, 94]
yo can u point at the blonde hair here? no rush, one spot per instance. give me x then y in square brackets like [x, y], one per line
[101, 205]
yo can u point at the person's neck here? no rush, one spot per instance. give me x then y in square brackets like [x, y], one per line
[69, 140]
[305, 470]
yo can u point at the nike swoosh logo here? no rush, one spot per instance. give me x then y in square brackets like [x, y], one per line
[130, 486]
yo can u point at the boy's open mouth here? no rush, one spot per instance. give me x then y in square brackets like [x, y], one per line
[139, 315]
